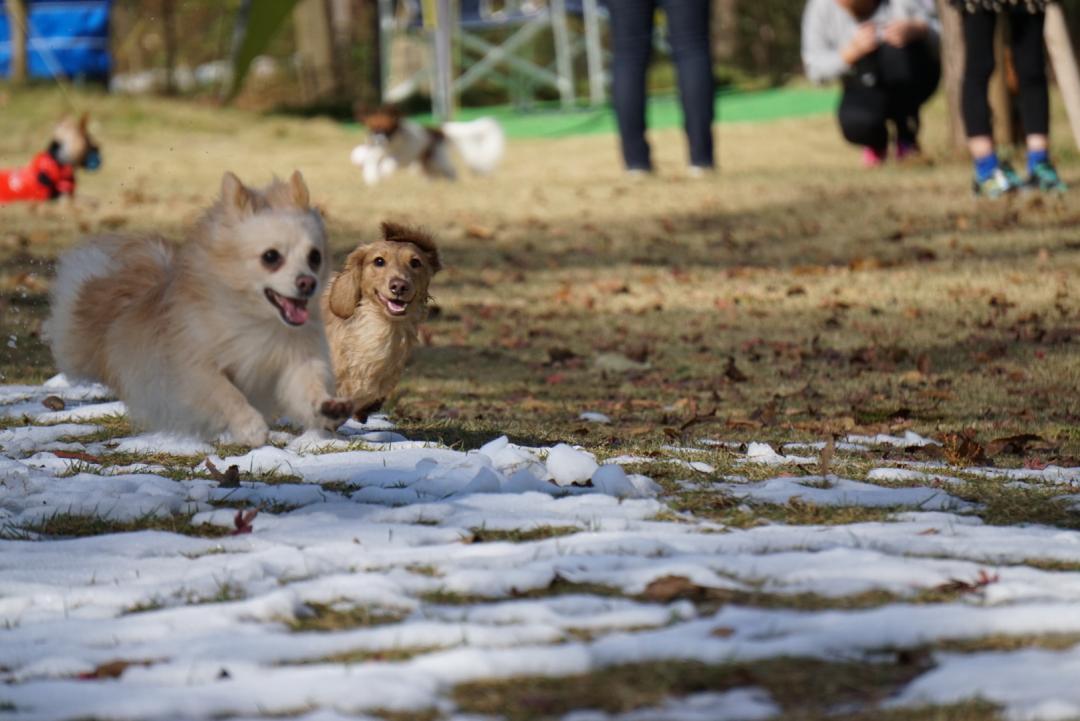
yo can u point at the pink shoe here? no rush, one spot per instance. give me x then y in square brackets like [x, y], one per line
[873, 157]
[907, 150]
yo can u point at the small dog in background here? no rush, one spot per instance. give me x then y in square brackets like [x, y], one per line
[396, 142]
[51, 173]
[209, 335]
[373, 310]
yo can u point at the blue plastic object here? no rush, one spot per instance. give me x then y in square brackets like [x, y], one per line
[65, 38]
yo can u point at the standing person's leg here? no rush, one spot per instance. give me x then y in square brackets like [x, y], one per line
[990, 177]
[1029, 54]
[631, 38]
[688, 34]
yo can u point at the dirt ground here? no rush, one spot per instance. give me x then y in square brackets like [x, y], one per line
[792, 295]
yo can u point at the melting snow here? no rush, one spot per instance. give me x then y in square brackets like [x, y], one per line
[368, 521]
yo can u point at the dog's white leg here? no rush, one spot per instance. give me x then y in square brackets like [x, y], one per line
[304, 392]
[219, 398]
[444, 162]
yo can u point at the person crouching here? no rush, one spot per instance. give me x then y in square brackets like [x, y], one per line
[887, 55]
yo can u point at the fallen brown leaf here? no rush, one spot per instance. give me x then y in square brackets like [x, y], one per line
[961, 449]
[1012, 445]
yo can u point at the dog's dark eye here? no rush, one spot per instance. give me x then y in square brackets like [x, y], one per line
[379, 262]
[272, 259]
[314, 259]
[415, 263]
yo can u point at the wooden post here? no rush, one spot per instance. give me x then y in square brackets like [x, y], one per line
[725, 22]
[443, 77]
[314, 48]
[168, 33]
[999, 96]
[1063, 60]
[952, 66]
[374, 73]
[16, 11]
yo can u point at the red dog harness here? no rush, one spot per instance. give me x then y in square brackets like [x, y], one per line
[45, 178]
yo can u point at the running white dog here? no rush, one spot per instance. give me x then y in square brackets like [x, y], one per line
[395, 142]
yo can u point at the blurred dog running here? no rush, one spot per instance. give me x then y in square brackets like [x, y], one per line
[396, 142]
[51, 173]
[213, 334]
[373, 311]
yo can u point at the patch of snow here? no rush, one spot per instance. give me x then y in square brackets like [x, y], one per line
[833, 491]
[744, 704]
[592, 417]
[568, 465]
[910, 438]
[764, 454]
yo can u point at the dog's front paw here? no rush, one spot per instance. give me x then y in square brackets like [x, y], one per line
[361, 414]
[250, 432]
[335, 410]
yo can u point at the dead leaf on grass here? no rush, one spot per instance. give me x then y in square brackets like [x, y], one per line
[826, 456]
[733, 374]
[110, 669]
[957, 585]
[670, 588]
[242, 520]
[77, 456]
[961, 449]
[1012, 445]
[229, 479]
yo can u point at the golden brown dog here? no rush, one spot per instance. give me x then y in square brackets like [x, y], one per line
[208, 335]
[373, 310]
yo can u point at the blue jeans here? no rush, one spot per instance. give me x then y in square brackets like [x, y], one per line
[688, 35]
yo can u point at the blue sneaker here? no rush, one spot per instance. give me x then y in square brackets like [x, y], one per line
[1002, 181]
[1044, 177]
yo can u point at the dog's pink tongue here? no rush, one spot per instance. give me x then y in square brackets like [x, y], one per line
[295, 312]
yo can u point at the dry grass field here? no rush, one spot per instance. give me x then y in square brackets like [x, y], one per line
[792, 295]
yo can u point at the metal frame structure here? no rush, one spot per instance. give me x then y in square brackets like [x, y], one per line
[443, 26]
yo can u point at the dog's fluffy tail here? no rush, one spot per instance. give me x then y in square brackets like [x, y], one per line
[481, 143]
[94, 283]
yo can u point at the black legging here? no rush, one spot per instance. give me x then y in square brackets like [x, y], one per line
[1029, 57]
[688, 34]
[888, 85]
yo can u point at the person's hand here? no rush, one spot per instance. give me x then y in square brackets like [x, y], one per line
[863, 43]
[899, 33]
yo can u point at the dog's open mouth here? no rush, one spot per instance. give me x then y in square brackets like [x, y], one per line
[394, 306]
[294, 311]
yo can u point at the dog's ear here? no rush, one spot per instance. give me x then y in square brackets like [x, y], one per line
[83, 120]
[235, 197]
[397, 233]
[345, 287]
[299, 191]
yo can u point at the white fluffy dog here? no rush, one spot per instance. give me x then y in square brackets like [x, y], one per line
[395, 142]
[212, 334]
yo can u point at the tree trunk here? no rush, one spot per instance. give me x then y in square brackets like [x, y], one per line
[952, 64]
[16, 11]
[314, 49]
[1064, 63]
[725, 22]
[1001, 106]
[168, 32]
[372, 90]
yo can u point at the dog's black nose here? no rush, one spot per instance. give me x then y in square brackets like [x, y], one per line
[399, 286]
[306, 284]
